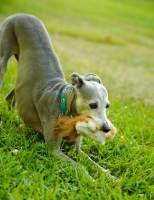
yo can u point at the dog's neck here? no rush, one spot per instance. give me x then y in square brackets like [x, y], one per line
[70, 100]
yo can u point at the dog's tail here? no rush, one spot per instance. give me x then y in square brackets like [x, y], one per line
[8, 45]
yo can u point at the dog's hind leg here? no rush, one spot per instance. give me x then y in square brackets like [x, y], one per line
[4, 56]
[10, 98]
[8, 46]
[3, 65]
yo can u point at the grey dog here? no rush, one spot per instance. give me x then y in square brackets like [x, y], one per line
[40, 80]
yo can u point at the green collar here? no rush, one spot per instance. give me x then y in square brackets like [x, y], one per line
[64, 109]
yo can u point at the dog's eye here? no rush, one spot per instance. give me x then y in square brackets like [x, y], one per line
[107, 106]
[93, 105]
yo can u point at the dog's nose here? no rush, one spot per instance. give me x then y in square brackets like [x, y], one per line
[105, 128]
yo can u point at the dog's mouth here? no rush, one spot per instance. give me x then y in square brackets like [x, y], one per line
[71, 128]
[93, 131]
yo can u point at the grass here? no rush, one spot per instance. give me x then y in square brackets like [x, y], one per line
[113, 39]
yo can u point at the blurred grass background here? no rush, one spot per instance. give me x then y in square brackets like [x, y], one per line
[114, 39]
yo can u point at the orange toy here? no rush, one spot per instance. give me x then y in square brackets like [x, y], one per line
[83, 125]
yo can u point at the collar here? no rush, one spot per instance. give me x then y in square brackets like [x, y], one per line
[64, 109]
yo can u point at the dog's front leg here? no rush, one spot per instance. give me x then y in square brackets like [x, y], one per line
[58, 152]
[78, 143]
[54, 145]
[78, 149]
[52, 141]
[106, 171]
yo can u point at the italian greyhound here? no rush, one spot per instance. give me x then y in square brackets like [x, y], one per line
[40, 81]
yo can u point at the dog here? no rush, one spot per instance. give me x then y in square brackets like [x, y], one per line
[40, 81]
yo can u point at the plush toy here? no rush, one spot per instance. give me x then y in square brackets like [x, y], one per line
[83, 125]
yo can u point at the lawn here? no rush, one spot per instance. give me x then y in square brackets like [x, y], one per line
[114, 39]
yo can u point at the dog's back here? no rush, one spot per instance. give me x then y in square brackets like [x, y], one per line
[25, 37]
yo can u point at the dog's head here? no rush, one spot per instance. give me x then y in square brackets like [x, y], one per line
[91, 98]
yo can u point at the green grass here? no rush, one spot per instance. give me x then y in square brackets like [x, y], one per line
[113, 39]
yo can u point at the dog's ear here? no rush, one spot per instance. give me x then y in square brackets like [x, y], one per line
[77, 80]
[92, 77]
